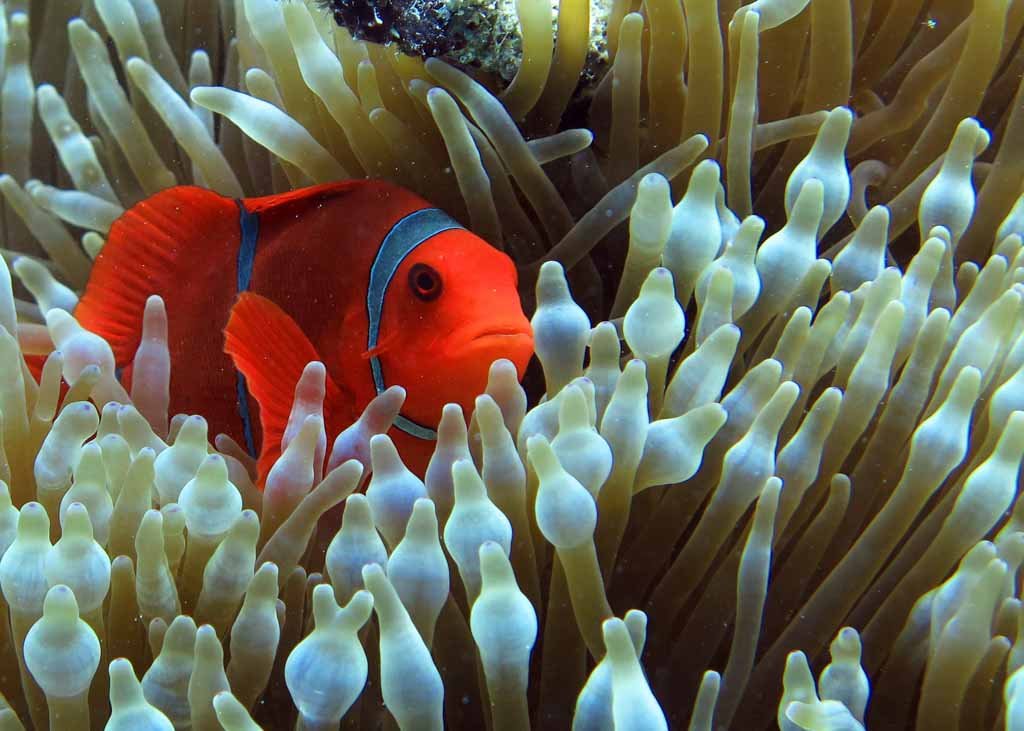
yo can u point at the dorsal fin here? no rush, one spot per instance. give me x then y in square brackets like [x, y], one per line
[150, 250]
[266, 203]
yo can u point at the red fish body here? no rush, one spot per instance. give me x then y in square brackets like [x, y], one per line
[362, 275]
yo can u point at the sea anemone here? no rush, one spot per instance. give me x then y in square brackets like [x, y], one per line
[742, 456]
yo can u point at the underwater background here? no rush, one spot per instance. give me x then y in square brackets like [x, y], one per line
[762, 471]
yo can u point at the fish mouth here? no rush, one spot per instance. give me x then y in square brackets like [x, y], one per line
[502, 332]
[499, 340]
[509, 331]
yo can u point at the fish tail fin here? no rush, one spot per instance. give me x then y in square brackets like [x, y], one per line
[270, 351]
[151, 249]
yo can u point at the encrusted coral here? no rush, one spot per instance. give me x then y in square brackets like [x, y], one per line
[481, 35]
[765, 443]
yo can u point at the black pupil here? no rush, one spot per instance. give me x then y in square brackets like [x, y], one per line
[426, 282]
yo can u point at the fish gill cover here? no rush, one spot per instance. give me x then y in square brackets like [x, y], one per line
[767, 471]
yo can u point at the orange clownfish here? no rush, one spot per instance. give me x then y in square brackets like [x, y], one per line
[361, 275]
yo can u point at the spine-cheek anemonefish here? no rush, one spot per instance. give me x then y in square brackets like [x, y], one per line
[363, 276]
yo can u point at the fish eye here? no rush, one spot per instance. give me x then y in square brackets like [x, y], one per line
[425, 282]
